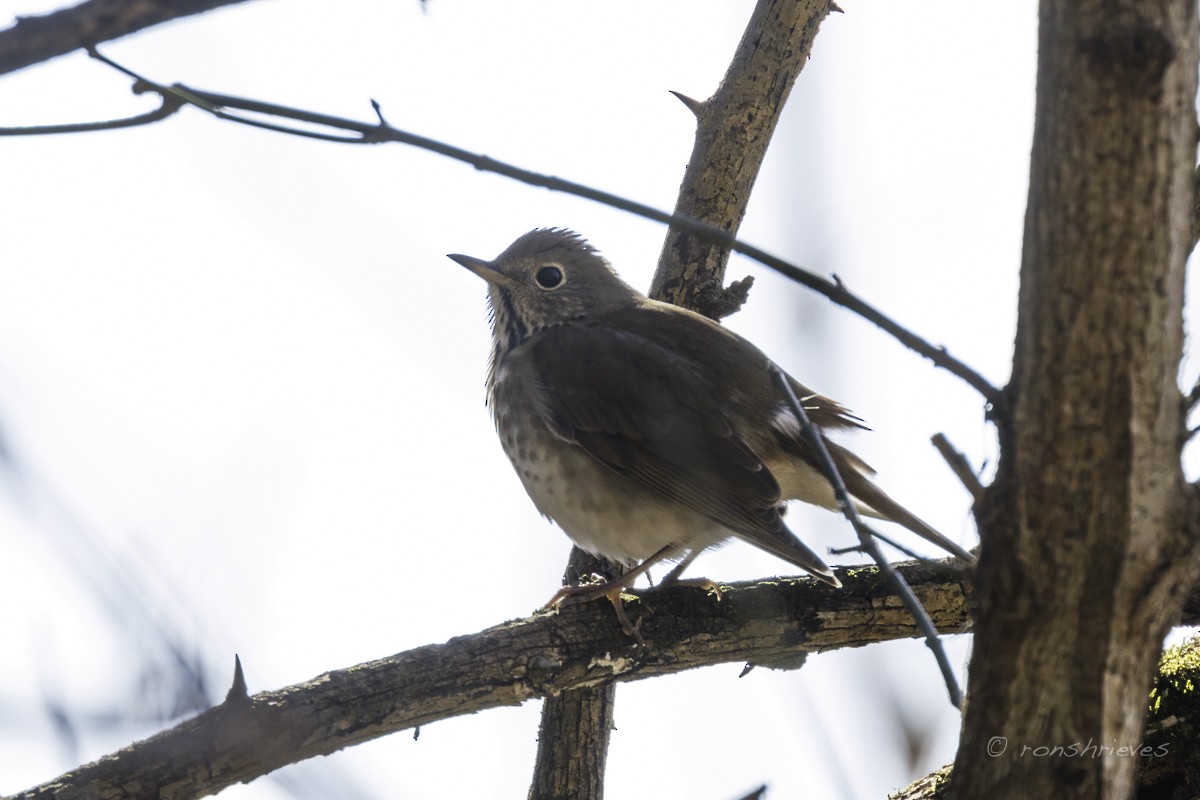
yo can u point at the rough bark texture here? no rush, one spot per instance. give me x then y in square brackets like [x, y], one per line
[35, 39]
[770, 624]
[734, 127]
[573, 744]
[575, 725]
[1088, 543]
[1168, 761]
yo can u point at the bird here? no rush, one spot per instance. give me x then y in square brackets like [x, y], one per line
[646, 431]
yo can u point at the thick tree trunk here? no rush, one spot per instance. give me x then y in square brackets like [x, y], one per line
[1088, 547]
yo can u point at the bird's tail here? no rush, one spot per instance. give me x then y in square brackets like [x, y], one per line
[854, 473]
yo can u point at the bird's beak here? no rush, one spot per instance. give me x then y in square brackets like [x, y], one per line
[483, 269]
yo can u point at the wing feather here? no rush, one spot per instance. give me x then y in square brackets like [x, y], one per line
[654, 416]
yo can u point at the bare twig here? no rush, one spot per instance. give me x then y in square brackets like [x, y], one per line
[959, 466]
[170, 104]
[375, 133]
[900, 547]
[866, 537]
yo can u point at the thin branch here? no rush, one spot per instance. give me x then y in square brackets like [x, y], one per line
[170, 105]
[374, 133]
[866, 536]
[960, 466]
[34, 39]
[899, 546]
[771, 623]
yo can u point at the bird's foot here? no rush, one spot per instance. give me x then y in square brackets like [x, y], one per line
[613, 591]
[711, 587]
[592, 587]
[672, 579]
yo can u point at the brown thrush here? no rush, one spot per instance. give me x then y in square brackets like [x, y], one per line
[646, 431]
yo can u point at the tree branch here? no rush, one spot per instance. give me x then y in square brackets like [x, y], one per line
[576, 724]
[734, 127]
[773, 623]
[959, 466]
[35, 39]
[573, 740]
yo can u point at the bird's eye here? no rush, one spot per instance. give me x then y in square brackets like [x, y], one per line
[549, 277]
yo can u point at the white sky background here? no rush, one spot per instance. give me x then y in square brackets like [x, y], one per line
[240, 366]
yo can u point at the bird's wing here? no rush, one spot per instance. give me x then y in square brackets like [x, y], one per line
[657, 418]
[699, 339]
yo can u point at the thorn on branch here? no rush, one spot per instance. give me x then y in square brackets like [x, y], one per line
[237, 692]
[379, 113]
[694, 106]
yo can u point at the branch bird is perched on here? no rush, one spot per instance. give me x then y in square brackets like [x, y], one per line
[646, 431]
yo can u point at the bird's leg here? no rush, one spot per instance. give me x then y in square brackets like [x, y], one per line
[672, 577]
